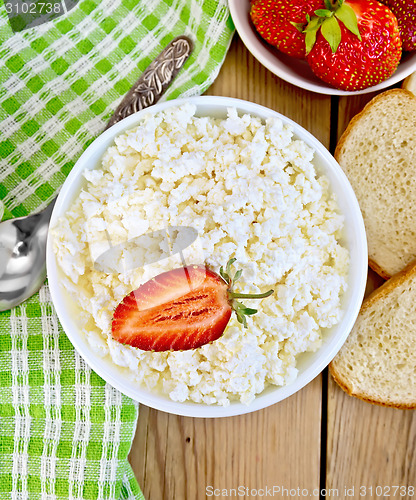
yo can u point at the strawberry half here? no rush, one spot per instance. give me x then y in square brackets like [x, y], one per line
[281, 23]
[353, 45]
[405, 11]
[180, 309]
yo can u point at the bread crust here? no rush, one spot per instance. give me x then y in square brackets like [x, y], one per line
[377, 269]
[363, 397]
[406, 94]
[377, 295]
[389, 285]
[392, 93]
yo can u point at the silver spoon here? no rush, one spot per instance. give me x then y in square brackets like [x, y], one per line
[23, 240]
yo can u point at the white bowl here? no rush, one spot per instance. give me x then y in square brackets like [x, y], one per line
[309, 364]
[294, 70]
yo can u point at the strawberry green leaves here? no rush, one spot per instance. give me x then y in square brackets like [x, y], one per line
[347, 16]
[239, 308]
[299, 26]
[331, 32]
[226, 274]
[311, 31]
[327, 20]
[324, 13]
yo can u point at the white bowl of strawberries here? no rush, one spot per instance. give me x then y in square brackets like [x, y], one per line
[331, 47]
[194, 329]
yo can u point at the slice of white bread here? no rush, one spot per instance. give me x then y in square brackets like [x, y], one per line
[377, 363]
[377, 152]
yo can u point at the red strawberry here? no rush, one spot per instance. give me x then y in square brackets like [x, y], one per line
[355, 45]
[281, 22]
[405, 11]
[180, 309]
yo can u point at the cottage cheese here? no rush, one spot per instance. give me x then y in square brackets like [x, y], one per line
[251, 191]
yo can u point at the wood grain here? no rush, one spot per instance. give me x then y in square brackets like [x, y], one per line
[176, 458]
[367, 445]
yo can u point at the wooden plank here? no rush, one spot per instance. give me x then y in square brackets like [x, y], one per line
[179, 458]
[368, 446]
[176, 457]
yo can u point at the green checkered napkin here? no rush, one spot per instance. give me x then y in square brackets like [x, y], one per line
[64, 432]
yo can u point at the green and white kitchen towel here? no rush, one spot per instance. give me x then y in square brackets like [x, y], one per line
[65, 433]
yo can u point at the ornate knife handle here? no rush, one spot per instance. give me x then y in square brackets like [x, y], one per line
[156, 78]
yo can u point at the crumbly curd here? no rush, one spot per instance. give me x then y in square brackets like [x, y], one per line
[251, 191]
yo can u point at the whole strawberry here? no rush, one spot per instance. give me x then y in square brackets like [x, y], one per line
[405, 11]
[354, 44]
[281, 22]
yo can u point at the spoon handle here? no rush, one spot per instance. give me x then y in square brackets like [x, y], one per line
[153, 83]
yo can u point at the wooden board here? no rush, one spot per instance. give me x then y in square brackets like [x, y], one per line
[370, 446]
[181, 458]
